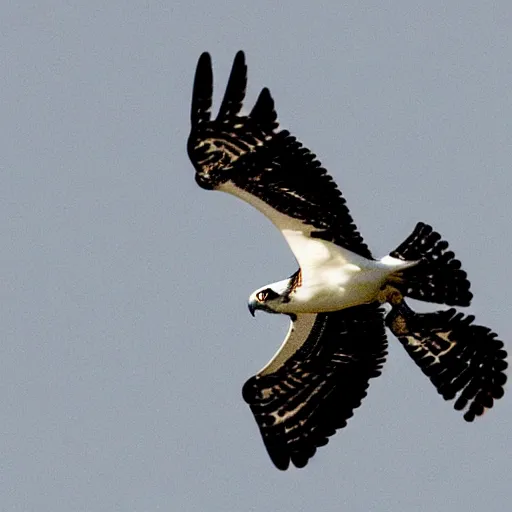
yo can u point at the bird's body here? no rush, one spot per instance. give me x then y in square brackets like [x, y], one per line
[340, 279]
[337, 341]
[333, 277]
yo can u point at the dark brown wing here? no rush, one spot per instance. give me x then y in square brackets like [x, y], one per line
[247, 156]
[316, 380]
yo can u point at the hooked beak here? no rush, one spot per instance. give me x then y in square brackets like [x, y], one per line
[252, 306]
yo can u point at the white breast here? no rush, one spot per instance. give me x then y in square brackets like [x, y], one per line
[336, 278]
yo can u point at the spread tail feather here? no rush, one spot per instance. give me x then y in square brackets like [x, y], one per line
[437, 277]
[464, 361]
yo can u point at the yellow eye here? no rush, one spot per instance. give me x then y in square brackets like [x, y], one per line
[262, 296]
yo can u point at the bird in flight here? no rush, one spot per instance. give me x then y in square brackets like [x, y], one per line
[338, 298]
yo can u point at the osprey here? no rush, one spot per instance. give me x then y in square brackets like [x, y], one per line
[336, 299]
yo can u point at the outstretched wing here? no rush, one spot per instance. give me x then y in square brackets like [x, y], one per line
[315, 381]
[247, 156]
[464, 361]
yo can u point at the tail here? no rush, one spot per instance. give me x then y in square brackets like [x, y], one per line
[464, 361]
[437, 277]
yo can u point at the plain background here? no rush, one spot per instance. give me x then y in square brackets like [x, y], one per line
[124, 331]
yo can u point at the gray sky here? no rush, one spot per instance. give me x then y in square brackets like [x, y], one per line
[125, 336]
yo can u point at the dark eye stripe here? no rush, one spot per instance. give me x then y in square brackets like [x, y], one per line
[271, 294]
[267, 294]
[261, 296]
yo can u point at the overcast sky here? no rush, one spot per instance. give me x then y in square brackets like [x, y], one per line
[124, 331]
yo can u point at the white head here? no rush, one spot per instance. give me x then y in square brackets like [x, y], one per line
[270, 298]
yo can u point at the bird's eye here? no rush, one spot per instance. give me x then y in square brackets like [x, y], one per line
[262, 296]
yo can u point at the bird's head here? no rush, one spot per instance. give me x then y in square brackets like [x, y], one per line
[269, 298]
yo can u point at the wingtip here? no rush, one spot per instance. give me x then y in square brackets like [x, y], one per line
[235, 90]
[263, 113]
[202, 91]
[205, 59]
[279, 457]
[239, 58]
[281, 464]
